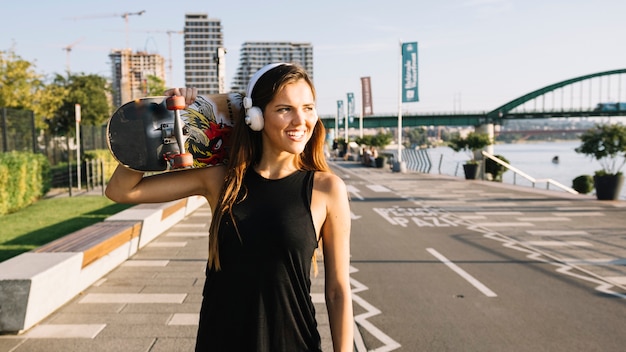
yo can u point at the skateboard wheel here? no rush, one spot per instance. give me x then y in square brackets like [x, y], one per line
[182, 161]
[176, 102]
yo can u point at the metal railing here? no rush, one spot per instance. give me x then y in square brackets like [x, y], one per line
[531, 179]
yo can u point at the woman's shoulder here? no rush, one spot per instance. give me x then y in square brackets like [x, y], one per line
[328, 182]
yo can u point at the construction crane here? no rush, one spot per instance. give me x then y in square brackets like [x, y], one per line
[124, 15]
[169, 43]
[68, 49]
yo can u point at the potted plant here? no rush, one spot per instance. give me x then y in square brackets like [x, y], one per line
[607, 144]
[494, 169]
[583, 184]
[471, 144]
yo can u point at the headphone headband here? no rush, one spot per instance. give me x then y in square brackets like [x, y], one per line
[254, 115]
[254, 79]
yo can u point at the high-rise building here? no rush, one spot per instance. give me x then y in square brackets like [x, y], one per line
[255, 55]
[205, 65]
[130, 72]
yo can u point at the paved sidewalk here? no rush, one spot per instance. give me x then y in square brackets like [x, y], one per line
[151, 302]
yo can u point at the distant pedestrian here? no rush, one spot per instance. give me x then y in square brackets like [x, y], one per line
[272, 205]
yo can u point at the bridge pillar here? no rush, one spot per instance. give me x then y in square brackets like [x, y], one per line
[487, 128]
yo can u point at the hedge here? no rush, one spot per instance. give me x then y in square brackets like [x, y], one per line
[24, 178]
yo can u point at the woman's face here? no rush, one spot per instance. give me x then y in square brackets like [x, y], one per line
[289, 119]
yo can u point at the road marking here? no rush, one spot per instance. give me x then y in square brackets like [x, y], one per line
[579, 213]
[559, 243]
[557, 233]
[499, 213]
[482, 288]
[378, 188]
[543, 218]
[354, 191]
[505, 224]
[389, 344]
[353, 216]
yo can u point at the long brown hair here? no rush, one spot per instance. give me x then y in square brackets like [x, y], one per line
[247, 149]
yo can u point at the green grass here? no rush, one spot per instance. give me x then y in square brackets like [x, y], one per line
[49, 219]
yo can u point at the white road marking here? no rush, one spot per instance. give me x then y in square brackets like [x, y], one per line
[378, 188]
[389, 344]
[482, 288]
[543, 218]
[557, 233]
[354, 192]
[559, 243]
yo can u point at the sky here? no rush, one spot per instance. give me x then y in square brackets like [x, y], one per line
[474, 55]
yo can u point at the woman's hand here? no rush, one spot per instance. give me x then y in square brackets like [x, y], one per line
[189, 94]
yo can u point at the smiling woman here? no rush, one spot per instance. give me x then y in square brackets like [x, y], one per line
[273, 204]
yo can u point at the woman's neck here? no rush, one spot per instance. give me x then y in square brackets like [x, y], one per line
[276, 167]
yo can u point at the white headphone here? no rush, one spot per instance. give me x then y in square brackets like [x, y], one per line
[254, 114]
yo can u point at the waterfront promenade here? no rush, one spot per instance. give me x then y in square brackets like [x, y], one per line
[151, 301]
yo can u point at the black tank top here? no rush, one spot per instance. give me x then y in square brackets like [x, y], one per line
[260, 299]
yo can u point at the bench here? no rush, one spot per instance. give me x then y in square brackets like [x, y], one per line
[36, 283]
[95, 241]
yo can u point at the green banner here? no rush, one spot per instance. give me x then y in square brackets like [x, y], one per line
[409, 72]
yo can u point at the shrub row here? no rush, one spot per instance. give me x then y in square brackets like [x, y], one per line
[24, 178]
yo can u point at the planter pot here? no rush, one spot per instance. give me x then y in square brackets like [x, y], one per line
[471, 171]
[608, 187]
[380, 162]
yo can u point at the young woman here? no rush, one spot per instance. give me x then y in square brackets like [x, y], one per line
[273, 203]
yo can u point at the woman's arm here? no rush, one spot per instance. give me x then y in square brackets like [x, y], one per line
[127, 186]
[336, 245]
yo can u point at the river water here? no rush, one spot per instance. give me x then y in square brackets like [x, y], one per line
[534, 159]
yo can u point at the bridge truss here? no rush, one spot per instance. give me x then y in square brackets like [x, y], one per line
[572, 98]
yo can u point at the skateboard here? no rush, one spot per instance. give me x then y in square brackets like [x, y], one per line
[160, 134]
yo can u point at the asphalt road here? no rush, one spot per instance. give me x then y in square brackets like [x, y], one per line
[443, 264]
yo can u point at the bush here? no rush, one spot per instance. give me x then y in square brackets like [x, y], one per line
[24, 178]
[583, 184]
[496, 170]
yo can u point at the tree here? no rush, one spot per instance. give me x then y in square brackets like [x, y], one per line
[607, 144]
[156, 86]
[90, 91]
[418, 136]
[471, 143]
[18, 82]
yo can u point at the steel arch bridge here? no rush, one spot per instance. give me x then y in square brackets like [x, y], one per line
[519, 108]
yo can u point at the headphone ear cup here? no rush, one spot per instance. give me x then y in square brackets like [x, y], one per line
[254, 118]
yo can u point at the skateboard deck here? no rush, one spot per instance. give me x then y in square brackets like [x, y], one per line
[143, 135]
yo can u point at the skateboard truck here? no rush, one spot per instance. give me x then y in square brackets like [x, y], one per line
[182, 159]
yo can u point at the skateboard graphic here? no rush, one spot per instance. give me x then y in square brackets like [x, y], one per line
[161, 134]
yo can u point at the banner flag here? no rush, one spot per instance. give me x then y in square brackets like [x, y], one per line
[366, 93]
[350, 107]
[340, 112]
[409, 72]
